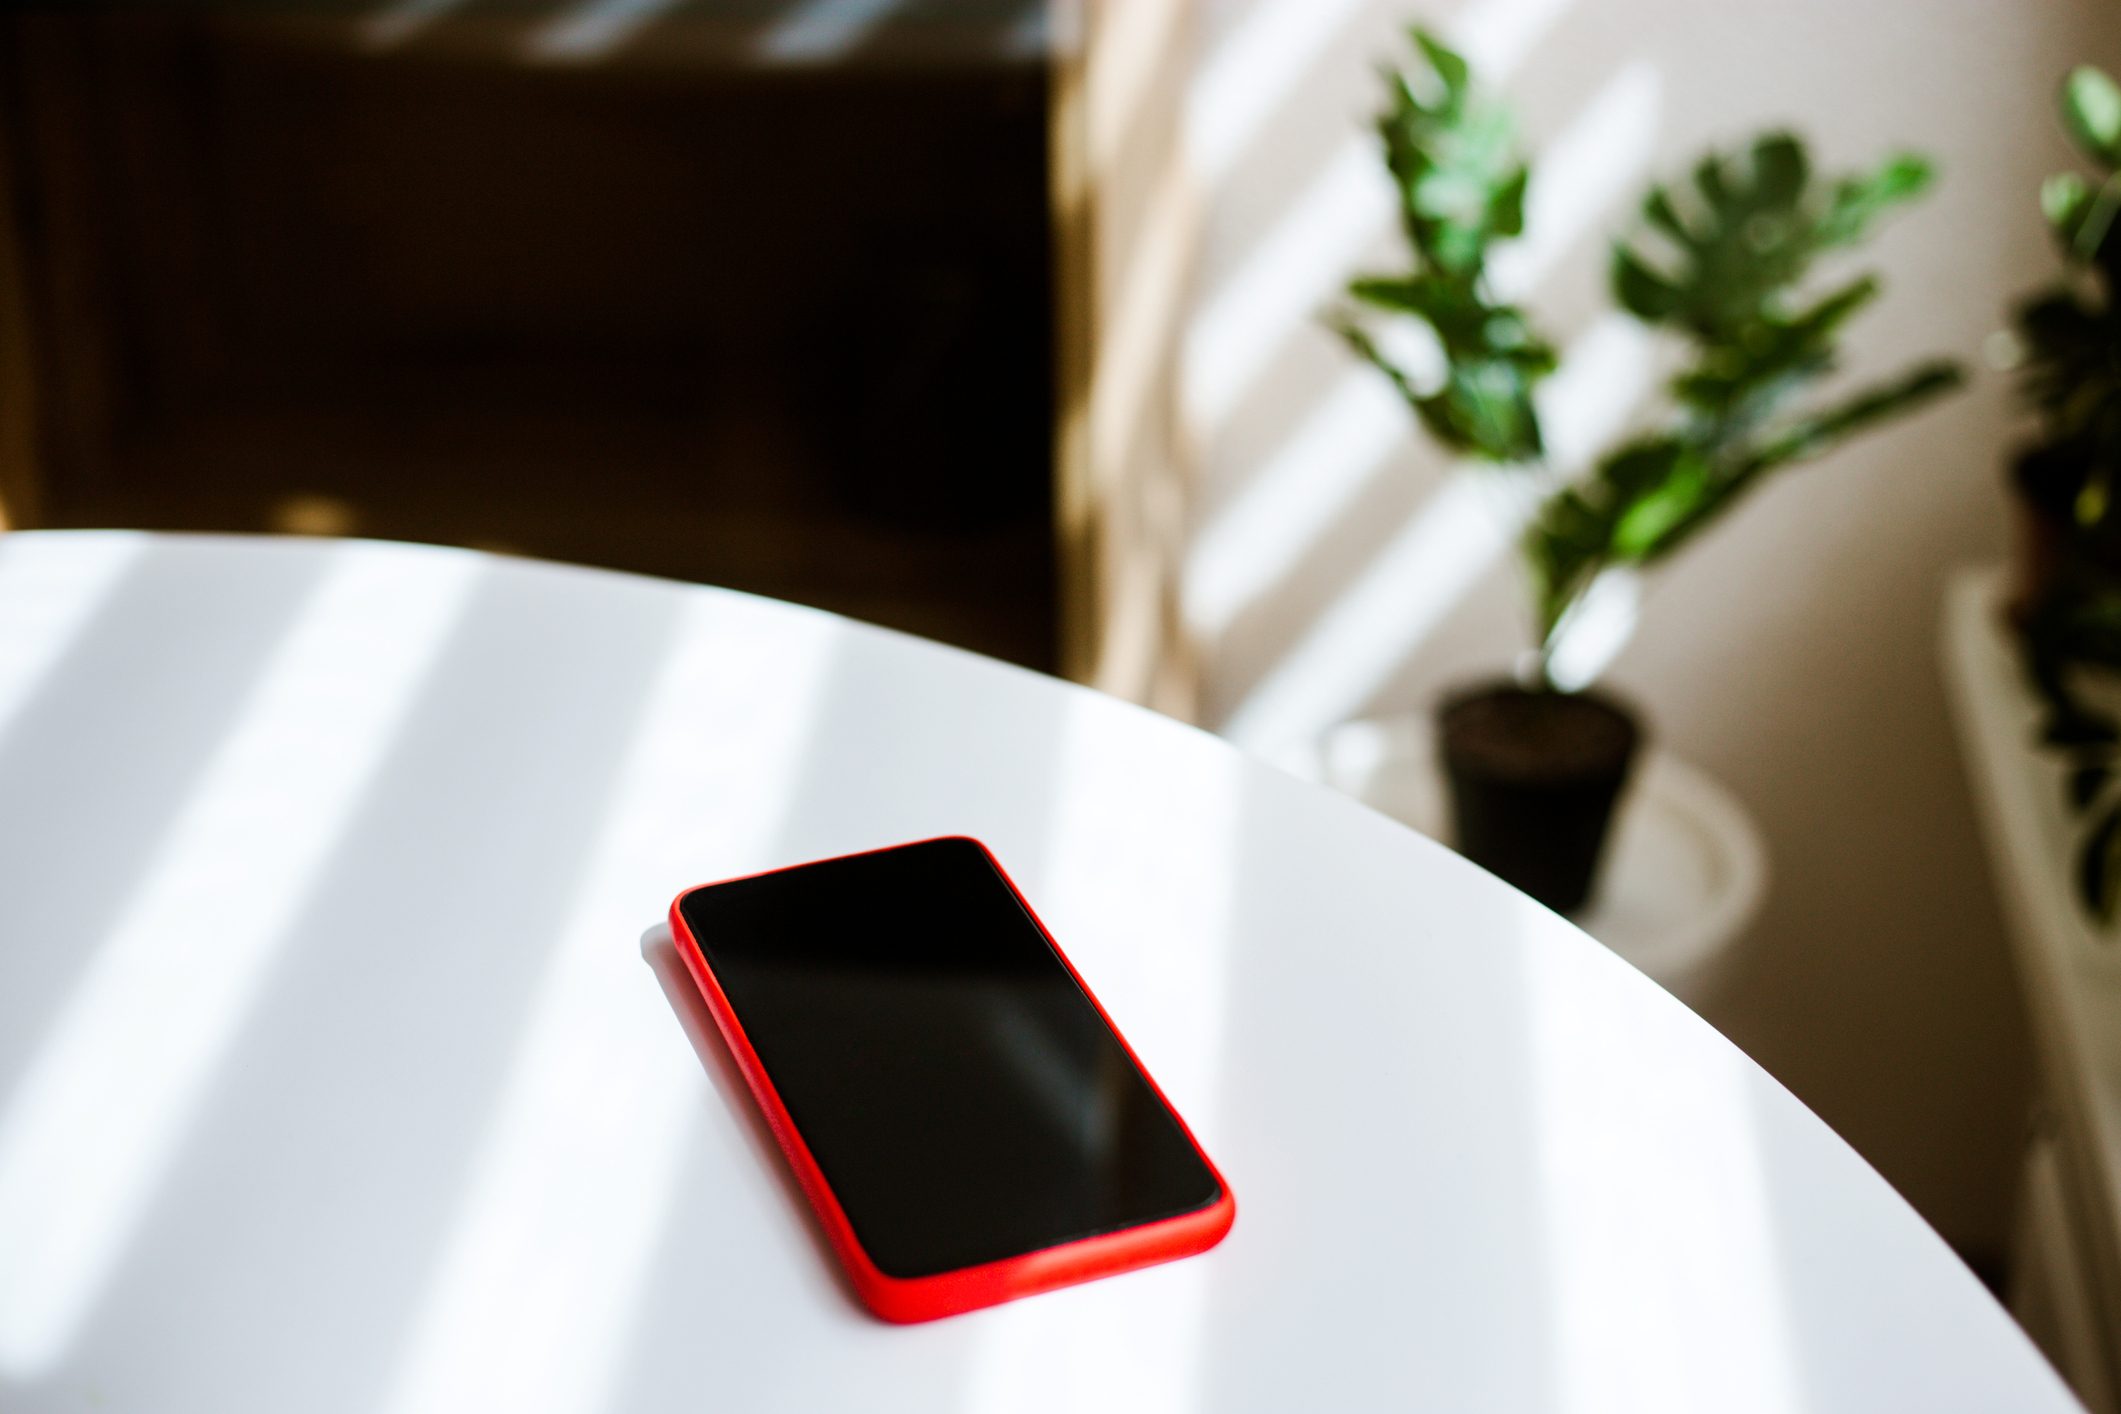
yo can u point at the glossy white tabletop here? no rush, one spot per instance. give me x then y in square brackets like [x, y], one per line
[335, 1072]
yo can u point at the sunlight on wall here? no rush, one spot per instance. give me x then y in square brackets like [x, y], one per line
[1147, 915]
[1301, 489]
[1666, 1288]
[1135, 37]
[1593, 633]
[594, 30]
[97, 1116]
[1152, 289]
[1308, 481]
[531, 1302]
[809, 32]
[1033, 32]
[1399, 599]
[1580, 174]
[399, 22]
[1496, 35]
[1292, 270]
[1432, 562]
[820, 31]
[1604, 374]
[1265, 57]
[49, 587]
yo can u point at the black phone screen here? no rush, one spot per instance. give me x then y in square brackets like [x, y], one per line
[956, 1086]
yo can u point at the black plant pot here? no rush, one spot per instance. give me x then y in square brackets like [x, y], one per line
[1534, 776]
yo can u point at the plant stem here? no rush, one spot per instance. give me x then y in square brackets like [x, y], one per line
[2099, 219]
[1543, 667]
[1541, 472]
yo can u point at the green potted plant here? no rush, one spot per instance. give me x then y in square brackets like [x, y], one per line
[1721, 261]
[2068, 354]
[2066, 589]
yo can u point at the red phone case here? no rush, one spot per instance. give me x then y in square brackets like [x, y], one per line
[907, 1299]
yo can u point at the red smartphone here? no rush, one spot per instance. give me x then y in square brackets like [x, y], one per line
[964, 1117]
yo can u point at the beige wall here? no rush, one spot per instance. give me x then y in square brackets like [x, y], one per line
[1792, 651]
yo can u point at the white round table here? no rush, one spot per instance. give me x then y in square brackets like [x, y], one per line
[336, 1074]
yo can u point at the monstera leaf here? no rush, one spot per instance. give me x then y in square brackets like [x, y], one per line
[1721, 260]
[1721, 252]
[1738, 380]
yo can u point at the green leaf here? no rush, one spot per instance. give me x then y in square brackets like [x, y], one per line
[2058, 318]
[1684, 492]
[1753, 223]
[1709, 179]
[1780, 169]
[2093, 499]
[1724, 258]
[2082, 218]
[1507, 206]
[1620, 513]
[1653, 495]
[2087, 227]
[1658, 212]
[1449, 65]
[2071, 374]
[1400, 295]
[1491, 401]
[1452, 197]
[1484, 405]
[1454, 161]
[1857, 202]
[2091, 110]
[1640, 290]
[2063, 198]
[1905, 176]
[1813, 434]
[1564, 548]
[1739, 382]
[1824, 319]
